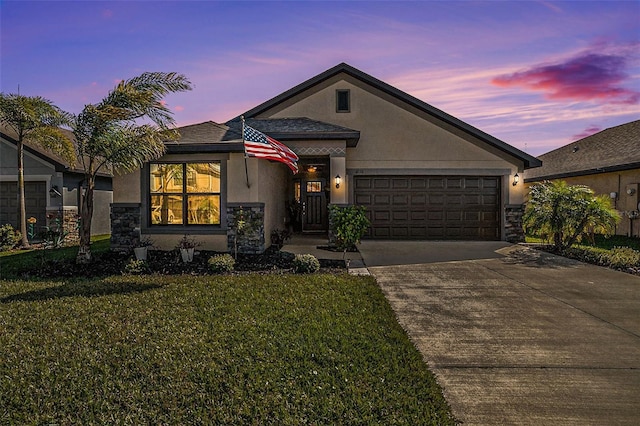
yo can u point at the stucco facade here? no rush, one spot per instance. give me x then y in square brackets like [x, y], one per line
[608, 162]
[615, 186]
[382, 134]
[396, 138]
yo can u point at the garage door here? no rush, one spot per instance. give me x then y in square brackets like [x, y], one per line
[431, 207]
[35, 200]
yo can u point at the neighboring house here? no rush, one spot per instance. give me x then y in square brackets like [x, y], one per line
[421, 173]
[608, 162]
[52, 189]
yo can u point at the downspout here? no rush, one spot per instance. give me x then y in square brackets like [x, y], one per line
[615, 202]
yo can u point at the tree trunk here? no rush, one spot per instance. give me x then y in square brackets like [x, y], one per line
[22, 208]
[86, 214]
[579, 230]
[557, 241]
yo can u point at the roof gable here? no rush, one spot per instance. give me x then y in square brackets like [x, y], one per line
[44, 154]
[60, 163]
[528, 160]
[613, 149]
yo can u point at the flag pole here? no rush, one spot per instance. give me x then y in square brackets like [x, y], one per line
[246, 171]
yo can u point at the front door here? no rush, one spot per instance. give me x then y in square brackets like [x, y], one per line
[314, 205]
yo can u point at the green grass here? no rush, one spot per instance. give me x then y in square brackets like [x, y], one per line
[249, 349]
[600, 241]
[614, 241]
[12, 262]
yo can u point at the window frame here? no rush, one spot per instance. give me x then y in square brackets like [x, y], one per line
[347, 93]
[184, 194]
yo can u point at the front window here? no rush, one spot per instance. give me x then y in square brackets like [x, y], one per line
[175, 200]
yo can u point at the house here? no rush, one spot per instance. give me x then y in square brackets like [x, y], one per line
[52, 189]
[421, 173]
[608, 162]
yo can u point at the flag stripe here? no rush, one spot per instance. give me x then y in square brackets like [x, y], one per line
[259, 145]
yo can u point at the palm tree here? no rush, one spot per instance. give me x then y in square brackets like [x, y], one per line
[35, 120]
[110, 135]
[566, 212]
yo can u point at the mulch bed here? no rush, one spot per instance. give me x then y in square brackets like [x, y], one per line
[633, 270]
[170, 263]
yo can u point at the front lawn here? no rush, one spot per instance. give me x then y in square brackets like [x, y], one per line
[14, 262]
[249, 349]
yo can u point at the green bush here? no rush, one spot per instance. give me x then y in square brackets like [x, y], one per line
[221, 263]
[9, 237]
[305, 264]
[593, 255]
[621, 257]
[136, 267]
[349, 224]
[617, 257]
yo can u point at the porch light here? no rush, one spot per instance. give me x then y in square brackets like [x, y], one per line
[53, 192]
[338, 180]
[516, 179]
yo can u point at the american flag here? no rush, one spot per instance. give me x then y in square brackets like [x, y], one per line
[257, 144]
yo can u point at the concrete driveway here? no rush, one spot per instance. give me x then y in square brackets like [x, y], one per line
[514, 335]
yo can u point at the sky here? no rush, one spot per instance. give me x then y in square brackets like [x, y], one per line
[535, 74]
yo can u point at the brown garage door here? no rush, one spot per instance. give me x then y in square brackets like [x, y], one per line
[35, 200]
[430, 207]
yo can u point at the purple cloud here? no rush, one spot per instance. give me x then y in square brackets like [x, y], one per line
[585, 77]
[591, 130]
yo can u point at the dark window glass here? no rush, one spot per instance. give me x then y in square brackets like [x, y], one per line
[342, 101]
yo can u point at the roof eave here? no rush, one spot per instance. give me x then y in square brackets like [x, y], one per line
[528, 160]
[182, 148]
[601, 170]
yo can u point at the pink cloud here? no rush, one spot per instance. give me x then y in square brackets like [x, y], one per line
[587, 76]
[179, 108]
[593, 129]
[551, 6]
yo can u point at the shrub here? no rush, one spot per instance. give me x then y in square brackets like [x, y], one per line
[349, 225]
[305, 264]
[621, 257]
[593, 255]
[136, 267]
[221, 263]
[9, 237]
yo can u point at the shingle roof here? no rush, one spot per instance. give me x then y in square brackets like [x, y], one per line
[214, 137]
[208, 136]
[528, 160]
[299, 128]
[206, 132]
[613, 149]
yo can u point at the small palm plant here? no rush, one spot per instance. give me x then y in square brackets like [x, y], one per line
[566, 212]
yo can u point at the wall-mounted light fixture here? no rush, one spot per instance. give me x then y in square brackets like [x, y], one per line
[53, 192]
[516, 179]
[631, 191]
[338, 179]
[613, 195]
